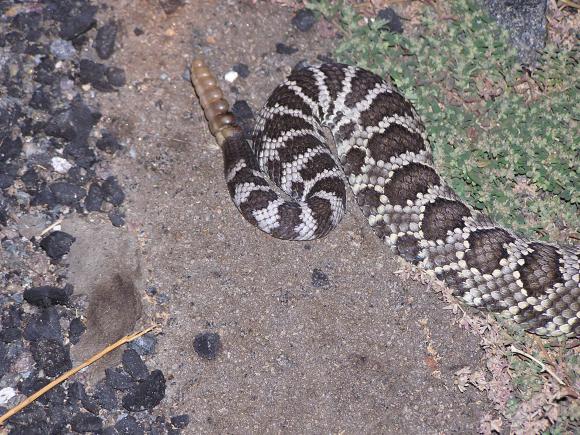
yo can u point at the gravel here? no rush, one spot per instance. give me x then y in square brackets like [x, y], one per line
[50, 81]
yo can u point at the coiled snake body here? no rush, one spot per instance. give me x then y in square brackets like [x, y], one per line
[385, 155]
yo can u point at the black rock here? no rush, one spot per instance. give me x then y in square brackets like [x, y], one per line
[57, 244]
[207, 344]
[8, 335]
[129, 426]
[8, 173]
[5, 358]
[138, 31]
[74, 123]
[117, 217]
[282, 48]
[105, 40]
[76, 392]
[31, 420]
[75, 330]
[144, 345]
[242, 69]
[113, 192]
[180, 421]
[525, 21]
[104, 395]
[47, 295]
[51, 356]
[44, 71]
[44, 196]
[78, 24]
[147, 394]
[40, 99]
[81, 154]
[84, 422]
[78, 175]
[32, 384]
[118, 380]
[30, 179]
[242, 110]
[116, 76]
[304, 20]
[319, 278]
[95, 74]
[392, 19]
[245, 116]
[10, 148]
[134, 365]
[108, 142]
[95, 198]
[44, 326]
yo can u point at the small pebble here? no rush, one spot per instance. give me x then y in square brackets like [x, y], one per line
[62, 50]
[116, 76]
[282, 48]
[105, 396]
[242, 69]
[44, 326]
[95, 74]
[6, 394]
[147, 394]
[57, 244]
[95, 197]
[105, 40]
[144, 345]
[207, 345]
[75, 330]
[129, 426]
[242, 110]
[134, 365]
[180, 421]
[393, 20]
[76, 25]
[84, 422]
[66, 193]
[113, 192]
[108, 142]
[319, 278]
[118, 380]
[231, 76]
[46, 295]
[60, 165]
[51, 356]
[116, 217]
[304, 20]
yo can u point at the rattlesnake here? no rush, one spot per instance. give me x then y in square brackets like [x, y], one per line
[384, 153]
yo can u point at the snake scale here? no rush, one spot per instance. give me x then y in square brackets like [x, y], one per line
[290, 185]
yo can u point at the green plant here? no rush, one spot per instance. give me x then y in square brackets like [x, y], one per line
[507, 140]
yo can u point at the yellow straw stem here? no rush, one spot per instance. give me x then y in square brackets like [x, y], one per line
[65, 376]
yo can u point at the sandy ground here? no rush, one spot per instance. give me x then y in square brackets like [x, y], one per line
[368, 351]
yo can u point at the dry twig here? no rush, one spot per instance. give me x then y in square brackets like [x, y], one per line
[65, 376]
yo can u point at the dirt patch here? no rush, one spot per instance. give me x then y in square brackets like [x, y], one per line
[361, 350]
[104, 268]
